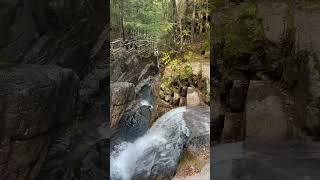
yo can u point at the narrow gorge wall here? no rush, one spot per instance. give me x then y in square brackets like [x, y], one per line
[53, 79]
[305, 72]
[287, 55]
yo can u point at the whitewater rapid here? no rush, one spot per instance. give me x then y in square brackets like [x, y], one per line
[159, 148]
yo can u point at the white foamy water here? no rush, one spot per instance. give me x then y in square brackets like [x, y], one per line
[146, 103]
[168, 135]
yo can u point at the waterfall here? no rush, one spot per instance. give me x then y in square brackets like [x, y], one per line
[158, 149]
[146, 103]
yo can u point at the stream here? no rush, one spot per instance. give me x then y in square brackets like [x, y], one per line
[140, 152]
[158, 149]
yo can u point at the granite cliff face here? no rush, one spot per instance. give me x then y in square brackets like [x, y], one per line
[302, 71]
[35, 101]
[54, 83]
[269, 102]
[287, 57]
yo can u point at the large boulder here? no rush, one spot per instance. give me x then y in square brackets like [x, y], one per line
[34, 100]
[192, 128]
[266, 119]
[121, 95]
[193, 97]
[269, 114]
[198, 122]
[80, 158]
[196, 155]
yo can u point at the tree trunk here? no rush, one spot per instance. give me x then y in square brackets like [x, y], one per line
[122, 19]
[193, 21]
[174, 8]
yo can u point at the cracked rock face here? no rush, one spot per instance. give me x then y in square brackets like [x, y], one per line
[121, 94]
[34, 100]
[39, 101]
[50, 32]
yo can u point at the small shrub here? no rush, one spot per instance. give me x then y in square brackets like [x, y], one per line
[238, 37]
[186, 72]
[173, 65]
[167, 56]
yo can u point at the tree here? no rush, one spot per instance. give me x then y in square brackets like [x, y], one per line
[122, 19]
[193, 20]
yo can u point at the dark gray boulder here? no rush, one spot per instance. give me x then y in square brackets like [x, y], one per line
[35, 100]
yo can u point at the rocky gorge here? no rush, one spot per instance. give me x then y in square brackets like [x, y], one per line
[264, 102]
[148, 142]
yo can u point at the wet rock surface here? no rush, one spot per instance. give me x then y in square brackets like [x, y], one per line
[156, 154]
[198, 121]
[134, 75]
[122, 93]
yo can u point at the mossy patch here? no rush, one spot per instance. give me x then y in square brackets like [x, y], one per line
[237, 38]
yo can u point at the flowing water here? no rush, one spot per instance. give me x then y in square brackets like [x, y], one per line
[139, 151]
[159, 148]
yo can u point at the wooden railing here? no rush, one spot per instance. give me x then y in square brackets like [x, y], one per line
[127, 47]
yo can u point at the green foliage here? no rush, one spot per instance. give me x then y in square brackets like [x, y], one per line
[245, 30]
[174, 64]
[167, 57]
[217, 3]
[179, 71]
[167, 82]
[142, 18]
[239, 35]
[207, 44]
[186, 33]
[250, 25]
[236, 38]
[186, 72]
[187, 57]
